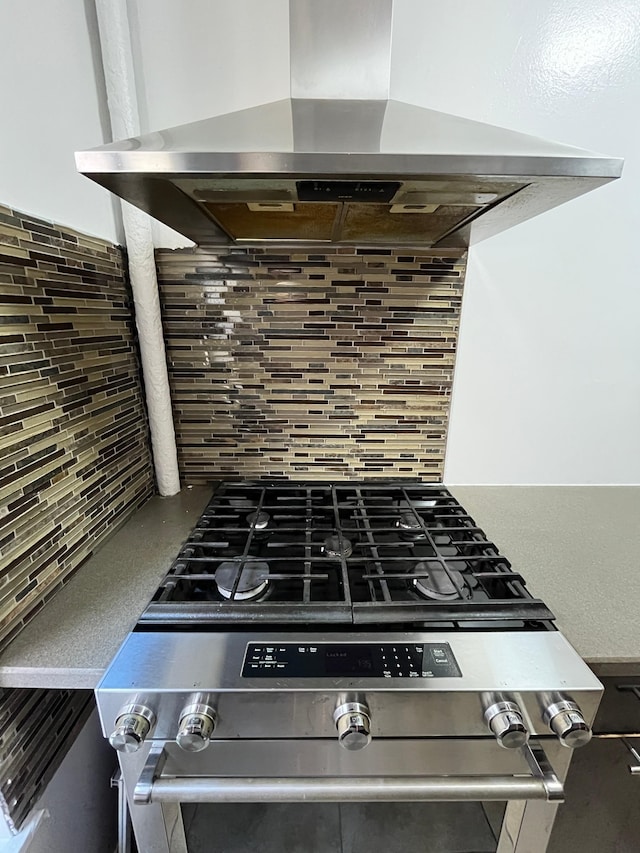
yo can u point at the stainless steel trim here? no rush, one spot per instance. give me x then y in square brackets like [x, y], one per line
[150, 773]
[500, 707]
[157, 827]
[100, 162]
[175, 660]
[634, 769]
[139, 710]
[543, 784]
[557, 707]
[198, 708]
[541, 768]
[124, 820]
[354, 139]
[164, 666]
[350, 707]
[347, 789]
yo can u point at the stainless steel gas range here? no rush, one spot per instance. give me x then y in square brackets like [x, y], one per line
[338, 643]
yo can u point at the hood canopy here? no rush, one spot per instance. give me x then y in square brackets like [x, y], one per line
[351, 170]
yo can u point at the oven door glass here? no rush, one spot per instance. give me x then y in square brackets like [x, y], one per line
[339, 828]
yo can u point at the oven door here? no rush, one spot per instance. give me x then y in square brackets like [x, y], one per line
[162, 780]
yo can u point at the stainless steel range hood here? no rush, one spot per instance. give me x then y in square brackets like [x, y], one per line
[340, 162]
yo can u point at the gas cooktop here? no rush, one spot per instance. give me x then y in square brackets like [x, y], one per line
[375, 553]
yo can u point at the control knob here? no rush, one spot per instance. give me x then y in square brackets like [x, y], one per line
[133, 724]
[506, 723]
[353, 722]
[197, 722]
[565, 719]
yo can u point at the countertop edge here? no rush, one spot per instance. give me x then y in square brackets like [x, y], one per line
[50, 678]
[70, 678]
[625, 668]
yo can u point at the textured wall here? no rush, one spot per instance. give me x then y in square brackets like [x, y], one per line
[317, 365]
[74, 452]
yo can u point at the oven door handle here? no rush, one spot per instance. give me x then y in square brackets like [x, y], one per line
[152, 786]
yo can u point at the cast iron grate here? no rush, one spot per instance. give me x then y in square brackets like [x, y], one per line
[379, 553]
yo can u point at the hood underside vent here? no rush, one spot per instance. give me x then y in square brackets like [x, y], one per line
[344, 212]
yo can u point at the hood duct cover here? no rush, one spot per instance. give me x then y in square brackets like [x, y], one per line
[348, 167]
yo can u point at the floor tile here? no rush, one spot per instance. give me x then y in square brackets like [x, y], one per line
[415, 828]
[271, 828]
[601, 813]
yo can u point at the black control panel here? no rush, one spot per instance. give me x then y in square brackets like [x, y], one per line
[382, 191]
[350, 660]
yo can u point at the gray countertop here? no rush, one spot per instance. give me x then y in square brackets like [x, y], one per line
[71, 641]
[577, 547]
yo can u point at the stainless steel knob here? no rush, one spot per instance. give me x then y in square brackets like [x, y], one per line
[197, 722]
[353, 722]
[566, 721]
[506, 723]
[133, 724]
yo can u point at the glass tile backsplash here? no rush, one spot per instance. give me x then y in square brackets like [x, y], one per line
[311, 365]
[74, 449]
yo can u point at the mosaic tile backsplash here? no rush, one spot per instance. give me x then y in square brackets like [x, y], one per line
[311, 365]
[74, 449]
[38, 727]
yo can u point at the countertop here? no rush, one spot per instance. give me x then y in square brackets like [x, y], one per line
[576, 546]
[71, 641]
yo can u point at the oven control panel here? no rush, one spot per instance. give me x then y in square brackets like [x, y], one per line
[350, 660]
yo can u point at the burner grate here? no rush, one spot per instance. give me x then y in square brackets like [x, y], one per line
[386, 552]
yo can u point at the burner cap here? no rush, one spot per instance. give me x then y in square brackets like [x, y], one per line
[410, 524]
[437, 584]
[258, 520]
[337, 547]
[254, 579]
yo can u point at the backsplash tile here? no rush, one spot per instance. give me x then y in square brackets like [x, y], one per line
[38, 727]
[311, 365]
[74, 449]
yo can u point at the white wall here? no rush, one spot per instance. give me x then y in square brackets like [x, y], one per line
[49, 108]
[547, 386]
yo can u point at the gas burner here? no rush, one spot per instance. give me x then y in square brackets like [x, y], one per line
[253, 582]
[437, 584]
[410, 526]
[337, 547]
[258, 520]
